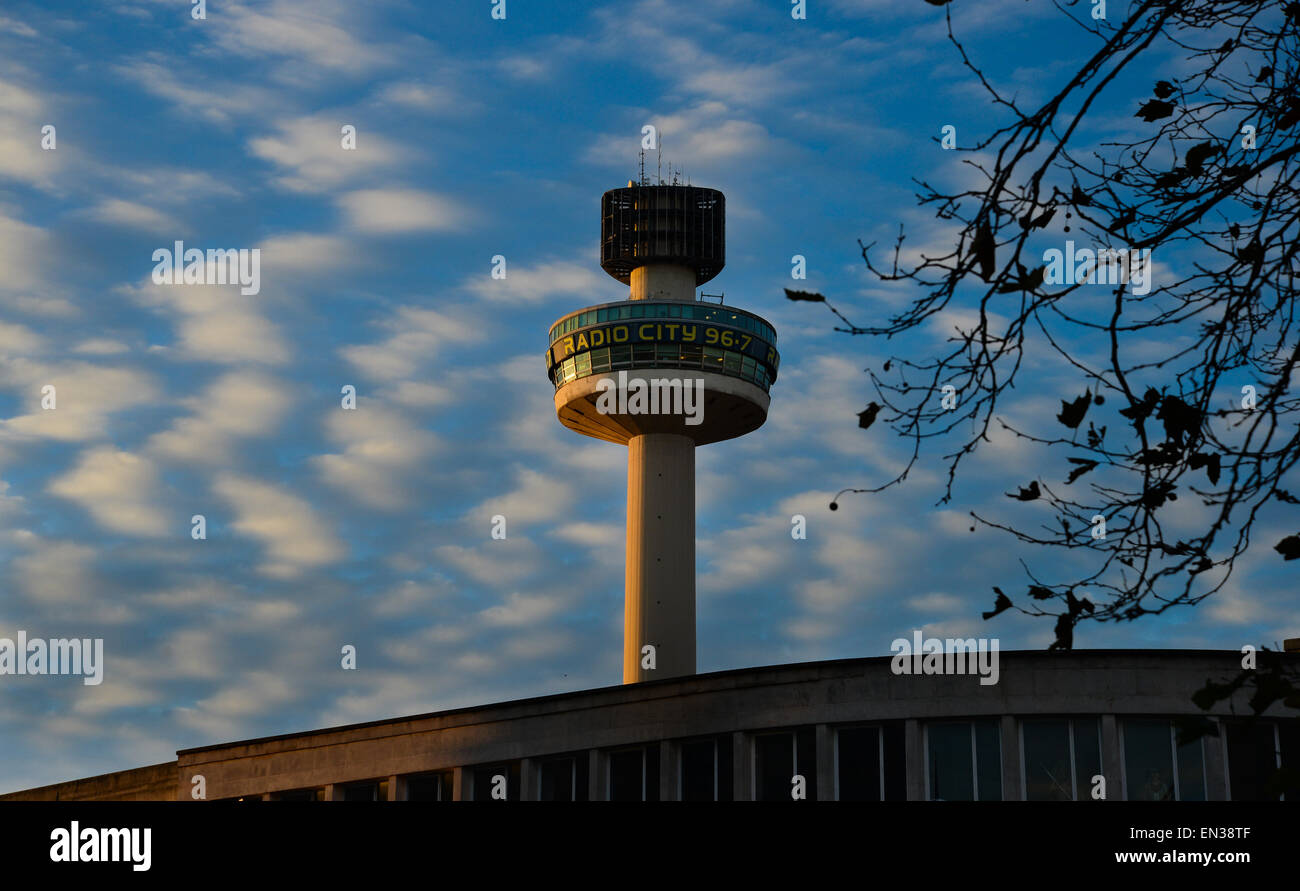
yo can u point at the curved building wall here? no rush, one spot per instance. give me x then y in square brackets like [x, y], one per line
[849, 729]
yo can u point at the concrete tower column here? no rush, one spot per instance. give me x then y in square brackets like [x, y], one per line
[663, 281]
[659, 603]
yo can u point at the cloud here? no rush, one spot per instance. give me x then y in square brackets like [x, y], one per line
[118, 212]
[18, 340]
[426, 97]
[708, 133]
[391, 211]
[120, 490]
[22, 114]
[536, 284]
[418, 334]
[85, 396]
[237, 405]
[523, 610]
[287, 526]
[323, 36]
[101, 346]
[537, 498]
[310, 154]
[382, 452]
[215, 323]
[24, 252]
[221, 103]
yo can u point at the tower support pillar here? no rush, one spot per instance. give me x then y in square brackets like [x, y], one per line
[659, 605]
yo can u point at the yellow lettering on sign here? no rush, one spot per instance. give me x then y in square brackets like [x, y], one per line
[640, 332]
[616, 331]
[688, 333]
[582, 341]
[597, 337]
[568, 345]
[672, 331]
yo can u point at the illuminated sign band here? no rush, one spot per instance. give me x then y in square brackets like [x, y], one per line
[693, 333]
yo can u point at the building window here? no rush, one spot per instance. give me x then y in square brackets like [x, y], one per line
[779, 758]
[634, 774]
[375, 790]
[317, 794]
[562, 779]
[870, 763]
[1059, 758]
[487, 779]
[429, 787]
[1156, 767]
[706, 771]
[964, 761]
[859, 764]
[1263, 760]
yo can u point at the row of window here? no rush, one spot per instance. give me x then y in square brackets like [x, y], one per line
[1059, 758]
[662, 355]
[641, 309]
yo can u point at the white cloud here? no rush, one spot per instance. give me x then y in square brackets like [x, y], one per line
[85, 396]
[310, 154]
[101, 346]
[238, 404]
[288, 527]
[24, 252]
[389, 211]
[536, 284]
[323, 35]
[215, 322]
[708, 133]
[120, 490]
[382, 451]
[133, 215]
[417, 337]
[22, 114]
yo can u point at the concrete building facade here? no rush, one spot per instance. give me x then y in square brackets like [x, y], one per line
[840, 730]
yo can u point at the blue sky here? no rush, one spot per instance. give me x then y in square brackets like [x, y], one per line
[371, 528]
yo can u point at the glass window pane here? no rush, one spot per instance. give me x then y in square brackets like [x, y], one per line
[895, 744]
[431, 787]
[988, 758]
[774, 766]
[1087, 755]
[1252, 761]
[952, 775]
[1191, 772]
[1289, 731]
[626, 777]
[556, 780]
[857, 758]
[699, 776]
[488, 779]
[1047, 760]
[1148, 761]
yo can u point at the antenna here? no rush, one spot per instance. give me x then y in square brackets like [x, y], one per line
[660, 153]
[642, 180]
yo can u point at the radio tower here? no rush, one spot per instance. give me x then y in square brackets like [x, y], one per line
[662, 241]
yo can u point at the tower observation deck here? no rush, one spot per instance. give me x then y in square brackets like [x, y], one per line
[661, 373]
